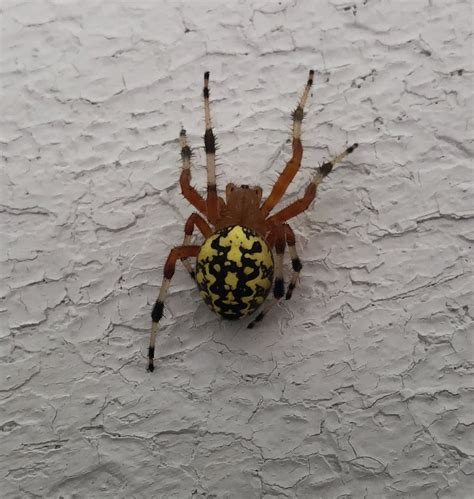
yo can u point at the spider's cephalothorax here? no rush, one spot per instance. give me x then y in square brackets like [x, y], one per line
[242, 255]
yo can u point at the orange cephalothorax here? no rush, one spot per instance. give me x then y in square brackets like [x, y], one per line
[242, 207]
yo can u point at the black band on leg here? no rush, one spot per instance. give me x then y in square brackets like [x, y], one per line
[352, 147]
[298, 114]
[157, 312]
[185, 153]
[325, 169]
[279, 288]
[296, 264]
[209, 142]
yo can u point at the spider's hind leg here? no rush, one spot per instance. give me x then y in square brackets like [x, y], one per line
[179, 253]
[292, 167]
[194, 220]
[278, 233]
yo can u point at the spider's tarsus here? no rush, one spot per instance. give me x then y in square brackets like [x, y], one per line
[279, 288]
[205, 90]
[259, 317]
[289, 292]
[352, 147]
[151, 355]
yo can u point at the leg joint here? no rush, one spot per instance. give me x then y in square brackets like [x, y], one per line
[298, 114]
[186, 153]
[280, 246]
[326, 168]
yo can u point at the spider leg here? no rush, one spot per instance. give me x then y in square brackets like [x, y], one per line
[188, 191]
[302, 204]
[293, 165]
[278, 233]
[295, 260]
[175, 254]
[194, 220]
[210, 147]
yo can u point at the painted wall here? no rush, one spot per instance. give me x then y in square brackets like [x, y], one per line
[361, 386]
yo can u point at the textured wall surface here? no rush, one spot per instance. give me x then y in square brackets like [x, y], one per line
[361, 386]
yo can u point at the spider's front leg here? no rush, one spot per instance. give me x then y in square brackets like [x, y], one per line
[178, 253]
[188, 191]
[302, 204]
[210, 147]
[294, 164]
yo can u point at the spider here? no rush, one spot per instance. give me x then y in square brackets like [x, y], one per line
[242, 255]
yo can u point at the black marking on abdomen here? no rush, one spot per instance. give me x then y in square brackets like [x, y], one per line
[221, 289]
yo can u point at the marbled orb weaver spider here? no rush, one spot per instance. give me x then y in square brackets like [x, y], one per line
[235, 266]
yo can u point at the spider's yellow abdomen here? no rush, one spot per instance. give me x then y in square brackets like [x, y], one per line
[234, 271]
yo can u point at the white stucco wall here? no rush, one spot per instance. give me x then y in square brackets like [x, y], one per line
[361, 386]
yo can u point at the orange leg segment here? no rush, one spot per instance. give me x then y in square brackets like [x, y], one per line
[194, 220]
[295, 208]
